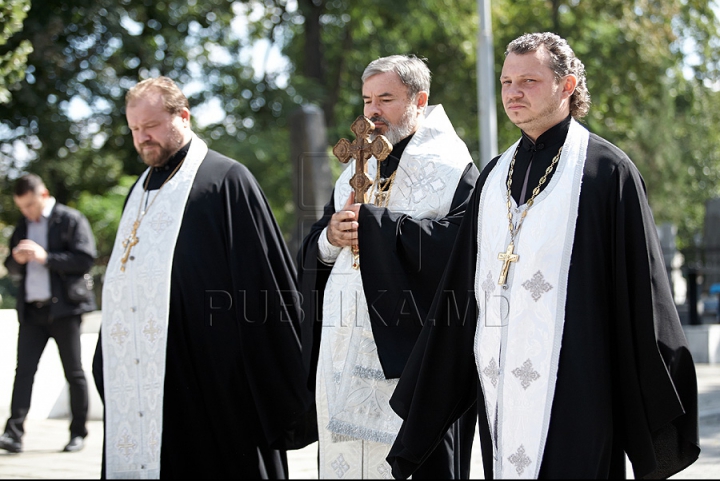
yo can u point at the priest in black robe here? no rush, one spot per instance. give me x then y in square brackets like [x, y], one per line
[561, 325]
[198, 360]
[360, 325]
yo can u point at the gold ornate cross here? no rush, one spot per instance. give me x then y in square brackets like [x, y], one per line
[128, 244]
[361, 149]
[507, 257]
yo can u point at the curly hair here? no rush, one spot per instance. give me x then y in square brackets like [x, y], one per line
[562, 62]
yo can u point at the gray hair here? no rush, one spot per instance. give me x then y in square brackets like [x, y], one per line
[413, 72]
[563, 62]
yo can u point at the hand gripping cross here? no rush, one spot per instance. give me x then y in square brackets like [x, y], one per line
[361, 149]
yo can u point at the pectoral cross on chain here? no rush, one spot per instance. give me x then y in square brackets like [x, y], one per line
[128, 244]
[361, 149]
[507, 257]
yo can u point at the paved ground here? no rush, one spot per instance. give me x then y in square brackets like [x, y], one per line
[45, 438]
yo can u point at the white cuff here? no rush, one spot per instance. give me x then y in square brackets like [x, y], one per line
[327, 252]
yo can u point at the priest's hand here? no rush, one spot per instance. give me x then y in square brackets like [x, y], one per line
[342, 229]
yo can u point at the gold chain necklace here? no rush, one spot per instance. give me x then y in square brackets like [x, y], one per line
[382, 199]
[382, 190]
[507, 257]
[133, 239]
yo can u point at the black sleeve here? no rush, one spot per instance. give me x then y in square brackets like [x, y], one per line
[656, 373]
[14, 269]
[97, 368]
[271, 349]
[415, 241]
[440, 382]
[402, 261]
[79, 255]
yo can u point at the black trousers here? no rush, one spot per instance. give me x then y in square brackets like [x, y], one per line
[35, 330]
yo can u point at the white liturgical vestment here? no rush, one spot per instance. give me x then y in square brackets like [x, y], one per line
[134, 322]
[520, 325]
[356, 424]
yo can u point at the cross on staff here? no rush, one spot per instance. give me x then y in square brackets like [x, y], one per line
[361, 149]
[507, 257]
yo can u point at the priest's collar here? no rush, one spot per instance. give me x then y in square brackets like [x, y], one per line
[390, 164]
[174, 159]
[552, 138]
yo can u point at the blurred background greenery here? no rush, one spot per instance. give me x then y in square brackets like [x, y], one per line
[65, 65]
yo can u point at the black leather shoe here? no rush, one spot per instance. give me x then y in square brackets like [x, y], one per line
[8, 443]
[76, 444]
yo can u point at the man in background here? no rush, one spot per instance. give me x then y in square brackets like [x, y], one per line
[52, 251]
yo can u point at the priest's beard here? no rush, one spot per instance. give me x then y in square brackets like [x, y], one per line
[545, 119]
[159, 156]
[396, 132]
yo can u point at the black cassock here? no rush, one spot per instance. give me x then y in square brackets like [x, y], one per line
[626, 380]
[402, 260]
[234, 382]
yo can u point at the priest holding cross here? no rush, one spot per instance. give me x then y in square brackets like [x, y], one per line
[397, 205]
[361, 150]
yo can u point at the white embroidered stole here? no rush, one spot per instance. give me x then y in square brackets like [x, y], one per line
[357, 392]
[134, 324]
[519, 329]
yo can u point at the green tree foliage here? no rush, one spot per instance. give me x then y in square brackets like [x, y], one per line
[12, 61]
[345, 36]
[649, 70]
[87, 53]
[104, 211]
[652, 72]
[66, 120]
[328, 44]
